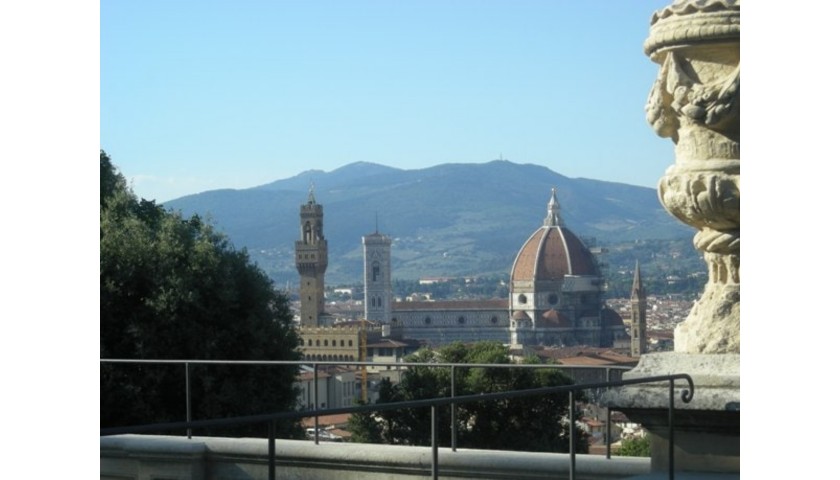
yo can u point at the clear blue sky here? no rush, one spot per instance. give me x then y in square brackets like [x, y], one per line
[200, 95]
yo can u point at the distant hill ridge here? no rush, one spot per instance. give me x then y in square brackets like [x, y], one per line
[446, 220]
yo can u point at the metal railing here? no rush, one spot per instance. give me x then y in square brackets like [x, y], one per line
[453, 400]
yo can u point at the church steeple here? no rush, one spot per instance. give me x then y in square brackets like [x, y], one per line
[638, 315]
[638, 290]
[553, 218]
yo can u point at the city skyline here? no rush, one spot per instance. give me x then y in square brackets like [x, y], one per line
[202, 96]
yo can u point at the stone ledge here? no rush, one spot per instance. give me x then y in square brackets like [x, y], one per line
[717, 382]
[246, 458]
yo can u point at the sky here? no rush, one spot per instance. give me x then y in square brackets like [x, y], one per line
[203, 95]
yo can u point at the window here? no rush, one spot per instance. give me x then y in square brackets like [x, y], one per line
[375, 271]
[307, 233]
[310, 342]
[494, 319]
[461, 320]
[552, 299]
[523, 298]
[428, 320]
[342, 343]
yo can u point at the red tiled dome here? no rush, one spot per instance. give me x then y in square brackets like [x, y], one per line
[556, 319]
[551, 253]
[612, 318]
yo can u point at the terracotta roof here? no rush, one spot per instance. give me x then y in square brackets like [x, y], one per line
[554, 318]
[387, 343]
[520, 315]
[340, 419]
[585, 355]
[550, 253]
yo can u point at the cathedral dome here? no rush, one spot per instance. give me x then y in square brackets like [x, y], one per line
[612, 318]
[553, 318]
[552, 252]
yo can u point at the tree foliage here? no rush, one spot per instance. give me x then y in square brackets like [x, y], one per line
[634, 447]
[173, 288]
[524, 424]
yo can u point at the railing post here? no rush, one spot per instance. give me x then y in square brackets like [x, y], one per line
[453, 410]
[609, 432]
[189, 395]
[434, 443]
[671, 430]
[272, 463]
[317, 430]
[571, 435]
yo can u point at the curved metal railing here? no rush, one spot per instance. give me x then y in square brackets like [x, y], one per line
[270, 419]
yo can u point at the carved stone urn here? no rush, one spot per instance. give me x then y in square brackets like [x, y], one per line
[695, 102]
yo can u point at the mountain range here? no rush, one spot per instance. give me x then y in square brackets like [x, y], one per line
[446, 220]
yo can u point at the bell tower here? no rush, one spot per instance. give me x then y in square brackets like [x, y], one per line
[311, 261]
[377, 250]
[638, 320]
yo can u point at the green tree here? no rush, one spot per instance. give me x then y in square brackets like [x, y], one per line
[364, 428]
[173, 288]
[526, 424]
[634, 447]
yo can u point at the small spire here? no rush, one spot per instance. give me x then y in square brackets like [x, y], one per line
[377, 222]
[637, 291]
[553, 217]
[311, 200]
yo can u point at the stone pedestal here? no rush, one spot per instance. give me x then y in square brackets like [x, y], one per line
[707, 429]
[695, 102]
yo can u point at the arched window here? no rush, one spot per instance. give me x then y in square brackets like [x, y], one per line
[333, 343]
[317, 343]
[307, 233]
[374, 271]
[523, 298]
[310, 342]
[342, 343]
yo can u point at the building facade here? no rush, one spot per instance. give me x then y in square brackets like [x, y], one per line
[556, 299]
[556, 290]
[331, 343]
[439, 323]
[311, 261]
